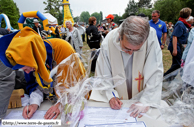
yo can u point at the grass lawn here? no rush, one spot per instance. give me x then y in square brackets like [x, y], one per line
[167, 58]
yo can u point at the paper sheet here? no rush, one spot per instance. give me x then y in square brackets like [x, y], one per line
[132, 124]
[17, 114]
[100, 115]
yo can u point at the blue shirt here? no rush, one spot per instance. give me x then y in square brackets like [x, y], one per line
[181, 32]
[160, 28]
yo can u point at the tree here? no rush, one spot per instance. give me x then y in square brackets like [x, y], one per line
[60, 16]
[169, 13]
[146, 11]
[132, 9]
[17, 9]
[76, 19]
[84, 17]
[144, 4]
[9, 8]
[117, 18]
[101, 16]
[125, 15]
[189, 3]
[54, 8]
[97, 16]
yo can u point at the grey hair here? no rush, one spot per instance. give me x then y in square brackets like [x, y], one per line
[136, 30]
[156, 11]
[68, 21]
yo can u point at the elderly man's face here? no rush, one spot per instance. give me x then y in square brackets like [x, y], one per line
[155, 17]
[129, 48]
[36, 24]
[68, 25]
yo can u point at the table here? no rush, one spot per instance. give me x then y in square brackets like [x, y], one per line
[154, 113]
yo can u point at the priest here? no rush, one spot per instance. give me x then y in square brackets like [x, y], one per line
[133, 52]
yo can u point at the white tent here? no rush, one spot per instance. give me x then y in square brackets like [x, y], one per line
[51, 19]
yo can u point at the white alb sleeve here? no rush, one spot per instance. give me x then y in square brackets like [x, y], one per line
[36, 97]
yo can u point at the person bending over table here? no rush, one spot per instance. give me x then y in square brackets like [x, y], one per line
[26, 50]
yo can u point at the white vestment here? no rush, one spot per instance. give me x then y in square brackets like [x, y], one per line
[143, 70]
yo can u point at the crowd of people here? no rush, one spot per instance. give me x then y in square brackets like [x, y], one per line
[132, 49]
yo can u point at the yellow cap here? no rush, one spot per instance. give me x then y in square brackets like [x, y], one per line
[65, 1]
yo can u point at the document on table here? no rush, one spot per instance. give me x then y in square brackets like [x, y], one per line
[17, 114]
[132, 124]
[101, 115]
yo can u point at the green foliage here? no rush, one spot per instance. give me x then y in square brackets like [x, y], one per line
[125, 15]
[117, 18]
[76, 19]
[135, 7]
[132, 7]
[54, 8]
[97, 16]
[60, 17]
[146, 11]
[9, 8]
[144, 3]
[101, 15]
[84, 17]
[17, 9]
[189, 3]
[169, 9]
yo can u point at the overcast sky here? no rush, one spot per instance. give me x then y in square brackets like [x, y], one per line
[78, 6]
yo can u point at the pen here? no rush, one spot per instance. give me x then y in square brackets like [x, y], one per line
[114, 95]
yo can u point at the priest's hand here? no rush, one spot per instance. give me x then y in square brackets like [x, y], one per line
[137, 109]
[53, 112]
[29, 110]
[115, 103]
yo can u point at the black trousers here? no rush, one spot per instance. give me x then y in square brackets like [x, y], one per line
[176, 62]
[83, 37]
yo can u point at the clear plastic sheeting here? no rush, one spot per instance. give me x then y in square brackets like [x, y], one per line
[180, 98]
[178, 95]
[179, 113]
[73, 85]
[87, 57]
[188, 73]
[172, 87]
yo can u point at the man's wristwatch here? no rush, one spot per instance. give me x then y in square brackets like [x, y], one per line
[163, 44]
